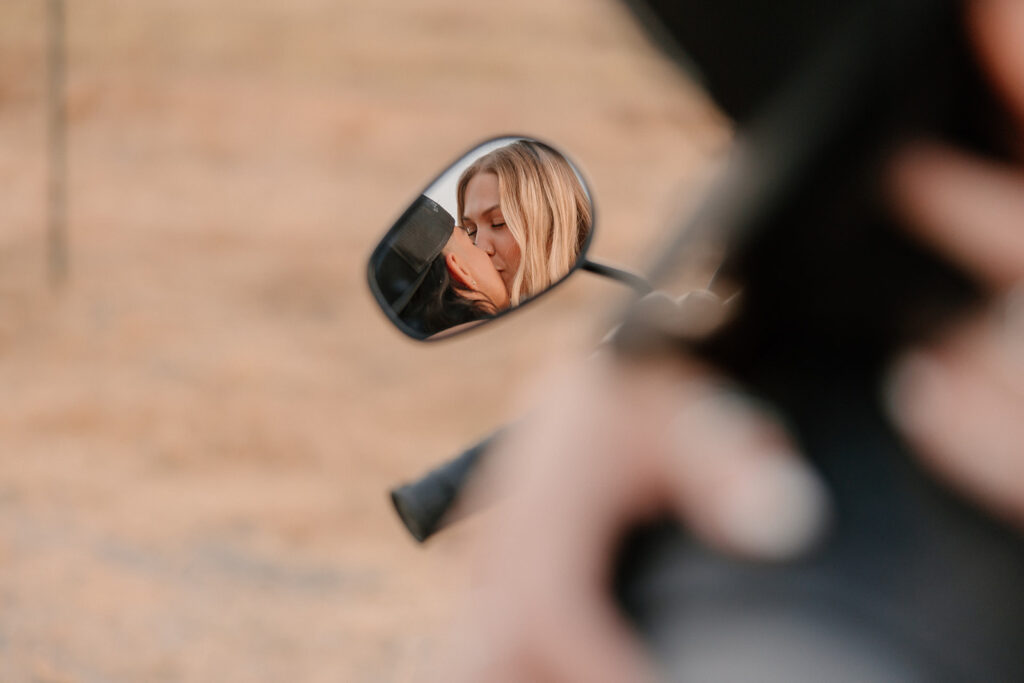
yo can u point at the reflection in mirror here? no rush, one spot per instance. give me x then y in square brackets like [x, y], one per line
[505, 223]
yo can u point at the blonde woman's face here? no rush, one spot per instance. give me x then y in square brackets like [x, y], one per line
[484, 222]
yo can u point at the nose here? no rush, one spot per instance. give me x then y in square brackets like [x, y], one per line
[483, 241]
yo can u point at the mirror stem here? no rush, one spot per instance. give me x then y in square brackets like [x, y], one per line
[637, 282]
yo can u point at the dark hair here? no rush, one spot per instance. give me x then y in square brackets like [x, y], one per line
[438, 304]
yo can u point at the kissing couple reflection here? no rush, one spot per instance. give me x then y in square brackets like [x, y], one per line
[524, 219]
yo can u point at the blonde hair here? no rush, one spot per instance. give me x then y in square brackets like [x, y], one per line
[545, 209]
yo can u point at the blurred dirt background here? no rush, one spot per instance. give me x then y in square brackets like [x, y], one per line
[197, 435]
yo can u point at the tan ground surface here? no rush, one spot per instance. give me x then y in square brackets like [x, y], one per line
[196, 438]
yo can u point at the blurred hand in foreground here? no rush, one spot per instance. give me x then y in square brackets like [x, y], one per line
[961, 401]
[609, 446]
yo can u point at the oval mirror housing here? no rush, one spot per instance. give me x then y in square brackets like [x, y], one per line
[508, 221]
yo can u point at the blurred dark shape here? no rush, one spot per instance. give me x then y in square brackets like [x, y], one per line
[915, 579]
[741, 51]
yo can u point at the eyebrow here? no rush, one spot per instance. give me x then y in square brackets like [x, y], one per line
[482, 213]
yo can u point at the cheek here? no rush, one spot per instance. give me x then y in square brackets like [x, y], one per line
[510, 251]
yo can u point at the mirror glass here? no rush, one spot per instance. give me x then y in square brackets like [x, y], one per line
[503, 224]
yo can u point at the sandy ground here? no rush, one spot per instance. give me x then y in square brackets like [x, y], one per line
[197, 434]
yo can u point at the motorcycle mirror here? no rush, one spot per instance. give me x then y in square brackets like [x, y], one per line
[509, 220]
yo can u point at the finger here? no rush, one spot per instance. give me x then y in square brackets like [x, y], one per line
[998, 27]
[970, 210]
[738, 480]
[677, 440]
[960, 405]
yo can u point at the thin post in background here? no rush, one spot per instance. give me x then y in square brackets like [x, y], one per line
[57, 190]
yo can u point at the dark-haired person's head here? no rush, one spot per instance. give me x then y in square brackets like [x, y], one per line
[433, 276]
[460, 286]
